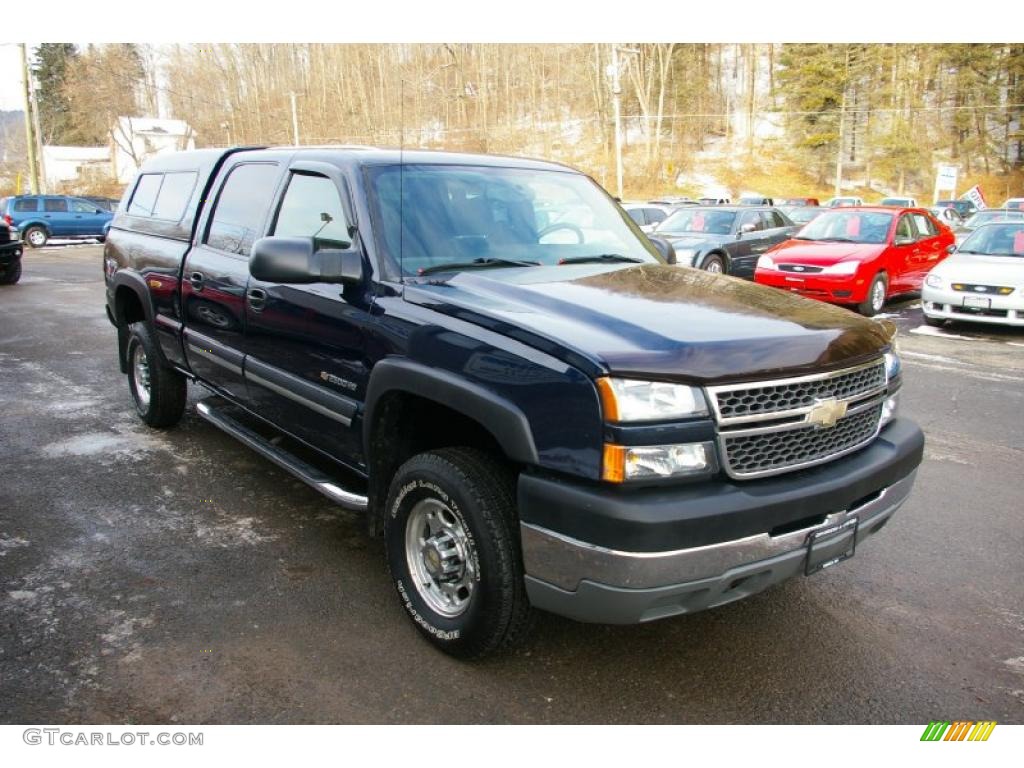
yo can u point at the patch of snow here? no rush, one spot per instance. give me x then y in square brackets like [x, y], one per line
[7, 543]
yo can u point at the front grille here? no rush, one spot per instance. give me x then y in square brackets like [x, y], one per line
[750, 402]
[979, 311]
[771, 452]
[995, 290]
[801, 268]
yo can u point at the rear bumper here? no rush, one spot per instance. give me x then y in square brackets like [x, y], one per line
[726, 553]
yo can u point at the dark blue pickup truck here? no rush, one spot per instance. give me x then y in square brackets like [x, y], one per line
[534, 407]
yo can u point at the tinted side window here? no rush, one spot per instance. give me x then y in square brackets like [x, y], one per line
[312, 208]
[656, 215]
[55, 205]
[751, 217]
[241, 207]
[174, 195]
[144, 198]
[637, 215]
[30, 205]
[83, 206]
[773, 220]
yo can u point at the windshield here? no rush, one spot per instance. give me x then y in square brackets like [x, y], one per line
[987, 217]
[435, 218]
[854, 226]
[995, 240]
[701, 220]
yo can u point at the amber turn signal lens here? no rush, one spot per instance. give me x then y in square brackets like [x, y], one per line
[609, 405]
[614, 467]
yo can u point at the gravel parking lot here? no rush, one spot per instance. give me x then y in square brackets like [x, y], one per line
[178, 577]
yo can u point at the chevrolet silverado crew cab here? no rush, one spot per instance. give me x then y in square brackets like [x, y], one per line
[534, 408]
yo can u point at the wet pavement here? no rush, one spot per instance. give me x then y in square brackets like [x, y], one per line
[157, 577]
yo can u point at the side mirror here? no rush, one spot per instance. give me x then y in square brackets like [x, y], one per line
[294, 260]
[664, 248]
[748, 227]
[99, 210]
[951, 249]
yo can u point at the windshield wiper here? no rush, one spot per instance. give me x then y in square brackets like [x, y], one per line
[600, 257]
[837, 240]
[454, 266]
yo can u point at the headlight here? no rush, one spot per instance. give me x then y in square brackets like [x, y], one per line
[624, 400]
[933, 281]
[892, 365]
[685, 256]
[652, 462]
[842, 268]
[765, 262]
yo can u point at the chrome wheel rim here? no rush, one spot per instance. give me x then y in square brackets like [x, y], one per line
[714, 266]
[878, 296]
[35, 237]
[440, 557]
[140, 376]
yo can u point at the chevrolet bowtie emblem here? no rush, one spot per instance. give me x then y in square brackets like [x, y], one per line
[826, 413]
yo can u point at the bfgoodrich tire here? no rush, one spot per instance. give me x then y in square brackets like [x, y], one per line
[453, 551]
[159, 392]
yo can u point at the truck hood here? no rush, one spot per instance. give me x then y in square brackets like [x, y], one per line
[822, 254]
[657, 321]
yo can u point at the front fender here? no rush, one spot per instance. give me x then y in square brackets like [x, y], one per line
[499, 416]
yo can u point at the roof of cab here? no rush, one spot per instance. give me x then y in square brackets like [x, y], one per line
[205, 160]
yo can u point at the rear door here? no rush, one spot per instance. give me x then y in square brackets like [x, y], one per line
[216, 272]
[930, 250]
[58, 217]
[305, 362]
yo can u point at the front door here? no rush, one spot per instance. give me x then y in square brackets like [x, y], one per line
[750, 244]
[86, 218]
[306, 363]
[215, 276]
[902, 258]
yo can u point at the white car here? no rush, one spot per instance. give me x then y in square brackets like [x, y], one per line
[647, 215]
[899, 202]
[844, 202]
[982, 281]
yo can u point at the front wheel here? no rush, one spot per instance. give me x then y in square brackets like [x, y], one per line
[159, 391]
[36, 237]
[453, 551]
[875, 300]
[714, 263]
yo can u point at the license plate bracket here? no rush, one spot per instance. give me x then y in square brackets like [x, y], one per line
[831, 546]
[977, 302]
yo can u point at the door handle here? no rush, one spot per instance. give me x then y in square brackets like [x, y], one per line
[257, 299]
[196, 278]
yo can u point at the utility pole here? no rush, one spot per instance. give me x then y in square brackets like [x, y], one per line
[30, 142]
[842, 126]
[295, 120]
[615, 73]
[40, 156]
[617, 109]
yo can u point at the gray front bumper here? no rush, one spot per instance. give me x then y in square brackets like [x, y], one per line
[594, 584]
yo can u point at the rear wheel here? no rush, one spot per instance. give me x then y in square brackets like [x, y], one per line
[453, 551]
[159, 391]
[12, 274]
[36, 237]
[875, 300]
[714, 263]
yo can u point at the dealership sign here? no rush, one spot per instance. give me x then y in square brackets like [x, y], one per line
[976, 196]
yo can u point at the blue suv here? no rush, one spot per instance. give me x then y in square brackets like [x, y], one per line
[41, 217]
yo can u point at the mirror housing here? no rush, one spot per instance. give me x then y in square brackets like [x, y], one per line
[951, 249]
[903, 241]
[295, 260]
[748, 227]
[664, 247]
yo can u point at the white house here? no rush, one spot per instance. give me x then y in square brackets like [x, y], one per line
[133, 140]
[70, 164]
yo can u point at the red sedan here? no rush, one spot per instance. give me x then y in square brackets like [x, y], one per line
[858, 256]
